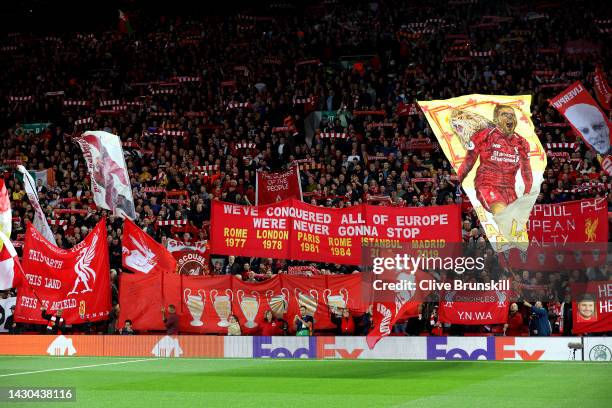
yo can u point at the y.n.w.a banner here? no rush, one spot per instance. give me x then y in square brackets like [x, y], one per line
[191, 259]
[205, 303]
[272, 187]
[491, 143]
[295, 230]
[474, 307]
[592, 307]
[110, 181]
[76, 280]
[587, 119]
[570, 235]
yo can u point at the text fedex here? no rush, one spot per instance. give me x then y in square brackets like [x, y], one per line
[497, 348]
[318, 347]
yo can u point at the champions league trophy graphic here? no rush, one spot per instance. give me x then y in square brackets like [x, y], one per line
[249, 306]
[222, 305]
[336, 302]
[310, 300]
[279, 303]
[195, 304]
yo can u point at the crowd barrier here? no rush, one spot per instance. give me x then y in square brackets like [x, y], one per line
[395, 348]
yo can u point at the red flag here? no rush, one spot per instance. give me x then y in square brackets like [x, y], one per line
[76, 280]
[8, 262]
[585, 117]
[602, 89]
[274, 187]
[385, 313]
[142, 254]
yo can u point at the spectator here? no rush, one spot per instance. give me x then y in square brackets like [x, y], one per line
[270, 326]
[514, 326]
[55, 323]
[540, 325]
[171, 321]
[345, 325]
[127, 328]
[10, 322]
[234, 326]
[303, 323]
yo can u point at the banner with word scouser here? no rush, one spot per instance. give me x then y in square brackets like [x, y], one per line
[569, 235]
[296, 230]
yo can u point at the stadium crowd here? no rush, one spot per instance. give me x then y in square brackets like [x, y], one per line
[194, 91]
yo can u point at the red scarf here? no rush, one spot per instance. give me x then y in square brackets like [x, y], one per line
[52, 321]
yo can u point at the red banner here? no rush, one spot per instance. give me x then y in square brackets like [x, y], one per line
[592, 307]
[564, 235]
[295, 230]
[141, 301]
[191, 259]
[274, 187]
[204, 303]
[142, 254]
[602, 89]
[585, 117]
[76, 280]
[473, 307]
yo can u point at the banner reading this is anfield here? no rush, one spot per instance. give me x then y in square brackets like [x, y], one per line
[491, 143]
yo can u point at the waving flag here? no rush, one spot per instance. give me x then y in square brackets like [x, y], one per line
[40, 221]
[76, 280]
[110, 181]
[491, 143]
[142, 254]
[587, 120]
[8, 255]
[124, 23]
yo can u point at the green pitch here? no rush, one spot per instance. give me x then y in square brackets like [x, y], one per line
[179, 383]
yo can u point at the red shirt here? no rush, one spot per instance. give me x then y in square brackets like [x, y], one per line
[347, 326]
[515, 325]
[501, 157]
[272, 328]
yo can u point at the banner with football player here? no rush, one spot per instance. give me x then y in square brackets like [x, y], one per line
[491, 143]
[76, 280]
[272, 187]
[110, 181]
[587, 120]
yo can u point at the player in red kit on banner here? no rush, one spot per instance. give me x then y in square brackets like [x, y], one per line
[502, 153]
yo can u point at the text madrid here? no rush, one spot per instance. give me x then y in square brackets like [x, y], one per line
[432, 284]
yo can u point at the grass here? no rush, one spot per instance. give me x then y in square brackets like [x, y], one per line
[178, 383]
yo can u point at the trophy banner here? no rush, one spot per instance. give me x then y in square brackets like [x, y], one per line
[491, 143]
[204, 303]
[253, 299]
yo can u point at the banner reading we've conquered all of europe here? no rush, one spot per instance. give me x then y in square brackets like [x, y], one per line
[292, 229]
